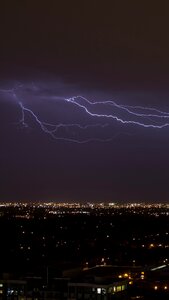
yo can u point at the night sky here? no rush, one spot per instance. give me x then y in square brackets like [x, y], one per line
[53, 51]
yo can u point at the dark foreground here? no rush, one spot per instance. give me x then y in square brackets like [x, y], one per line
[89, 251]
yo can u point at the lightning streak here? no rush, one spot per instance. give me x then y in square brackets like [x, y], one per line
[112, 116]
[54, 127]
[161, 114]
[139, 116]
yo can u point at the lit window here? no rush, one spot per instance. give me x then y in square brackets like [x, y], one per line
[99, 290]
[119, 288]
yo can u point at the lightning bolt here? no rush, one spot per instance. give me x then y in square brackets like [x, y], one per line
[132, 115]
[161, 114]
[73, 100]
[51, 129]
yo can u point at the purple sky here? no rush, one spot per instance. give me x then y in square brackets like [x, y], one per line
[54, 51]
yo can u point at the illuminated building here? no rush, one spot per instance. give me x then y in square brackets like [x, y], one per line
[97, 283]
